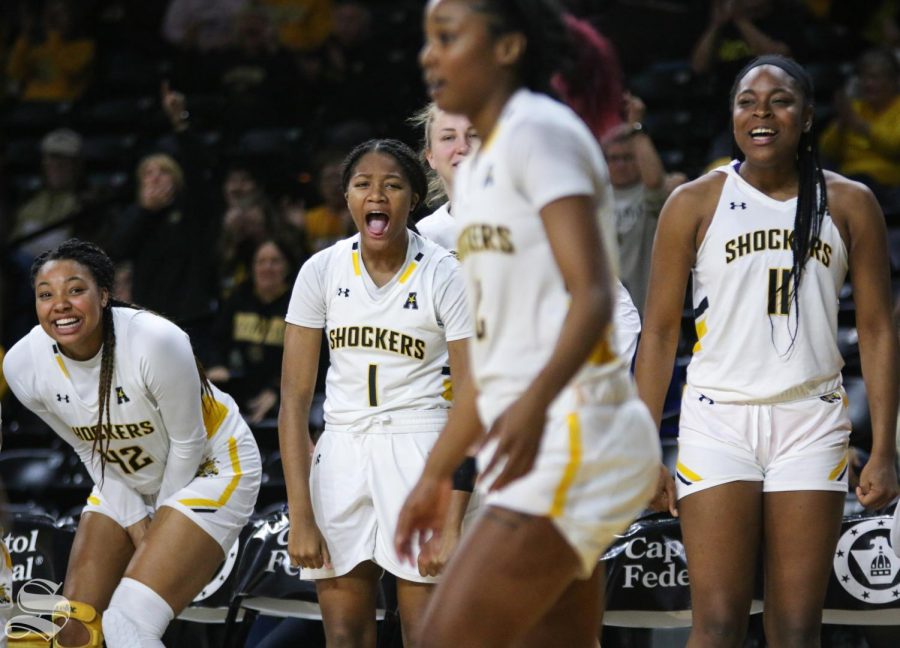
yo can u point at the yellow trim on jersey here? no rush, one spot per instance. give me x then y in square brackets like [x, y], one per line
[562, 489]
[213, 415]
[356, 263]
[409, 270]
[687, 472]
[62, 365]
[226, 494]
[840, 467]
[7, 558]
[93, 500]
[701, 331]
[602, 353]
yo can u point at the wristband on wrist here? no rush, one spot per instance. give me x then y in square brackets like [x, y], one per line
[464, 476]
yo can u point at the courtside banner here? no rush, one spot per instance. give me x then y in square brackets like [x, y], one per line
[265, 568]
[39, 547]
[865, 578]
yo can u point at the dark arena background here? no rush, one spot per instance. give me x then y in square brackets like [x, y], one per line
[256, 102]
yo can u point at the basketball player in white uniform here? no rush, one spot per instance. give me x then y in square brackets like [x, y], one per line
[448, 139]
[175, 465]
[391, 304]
[569, 460]
[762, 464]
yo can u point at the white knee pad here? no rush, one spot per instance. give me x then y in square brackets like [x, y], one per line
[136, 617]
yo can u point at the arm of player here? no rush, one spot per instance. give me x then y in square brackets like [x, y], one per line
[426, 508]
[169, 371]
[436, 552]
[878, 345]
[306, 546]
[674, 252]
[571, 227]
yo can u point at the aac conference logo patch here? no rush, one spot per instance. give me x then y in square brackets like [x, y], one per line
[865, 564]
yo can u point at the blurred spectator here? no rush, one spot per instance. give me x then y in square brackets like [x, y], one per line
[639, 189]
[255, 75]
[863, 141]
[301, 24]
[50, 62]
[168, 233]
[249, 331]
[591, 84]
[245, 227]
[739, 30]
[240, 185]
[200, 24]
[58, 198]
[329, 221]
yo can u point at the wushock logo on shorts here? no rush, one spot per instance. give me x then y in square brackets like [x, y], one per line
[865, 564]
[38, 600]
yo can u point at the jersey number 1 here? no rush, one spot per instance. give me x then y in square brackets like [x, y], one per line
[781, 286]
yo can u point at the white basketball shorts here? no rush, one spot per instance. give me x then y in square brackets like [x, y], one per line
[358, 482]
[221, 498]
[596, 470]
[795, 445]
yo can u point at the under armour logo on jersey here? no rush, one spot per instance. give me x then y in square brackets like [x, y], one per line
[735, 205]
[343, 292]
[318, 458]
[121, 396]
[706, 399]
[60, 398]
[489, 178]
[411, 302]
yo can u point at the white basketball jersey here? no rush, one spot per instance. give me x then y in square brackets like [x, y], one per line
[139, 441]
[540, 151]
[440, 227]
[751, 345]
[387, 345]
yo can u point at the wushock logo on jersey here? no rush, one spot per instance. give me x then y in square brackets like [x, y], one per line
[865, 564]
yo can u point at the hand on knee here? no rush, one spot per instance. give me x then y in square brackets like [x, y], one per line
[137, 617]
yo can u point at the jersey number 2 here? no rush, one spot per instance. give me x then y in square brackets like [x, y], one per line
[781, 286]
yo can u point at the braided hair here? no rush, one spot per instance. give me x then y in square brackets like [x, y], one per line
[102, 269]
[548, 45]
[812, 197]
[405, 157]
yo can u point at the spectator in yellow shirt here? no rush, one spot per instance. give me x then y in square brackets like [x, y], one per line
[863, 141]
[51, 64]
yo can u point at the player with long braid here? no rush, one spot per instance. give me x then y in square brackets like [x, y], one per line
[176, 470]
[763, 435]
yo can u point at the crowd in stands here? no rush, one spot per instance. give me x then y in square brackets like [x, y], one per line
[190, 138]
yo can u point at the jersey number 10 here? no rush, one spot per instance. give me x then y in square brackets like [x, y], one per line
[781, 285]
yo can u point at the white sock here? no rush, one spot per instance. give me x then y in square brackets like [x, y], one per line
[137, 617]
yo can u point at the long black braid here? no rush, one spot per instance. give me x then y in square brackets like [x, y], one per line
[812, 196]
[102, 270]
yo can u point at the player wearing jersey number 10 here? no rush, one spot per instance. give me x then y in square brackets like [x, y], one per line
[764, 429]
